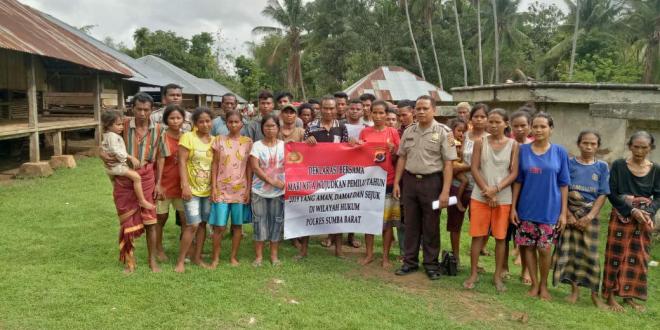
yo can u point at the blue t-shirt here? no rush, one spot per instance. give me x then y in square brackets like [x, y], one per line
[220, 127]
[541, 177]
[590, 181]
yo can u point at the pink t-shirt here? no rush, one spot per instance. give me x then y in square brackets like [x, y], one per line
[387, 135]
[232, 185]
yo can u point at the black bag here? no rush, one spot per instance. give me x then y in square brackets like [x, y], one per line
[449, 265]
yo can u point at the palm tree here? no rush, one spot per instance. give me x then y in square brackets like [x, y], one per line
[412, 37]
[643, 24]
[575, 37]
[460, 43]
[291, 17]
[503, 30]
[481, 56]
[426, 8]
[596, 16]
[497, 42]
[140, 37]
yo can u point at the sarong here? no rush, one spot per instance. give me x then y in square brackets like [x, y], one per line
[576, 258]
[133, 218]
[626, 258]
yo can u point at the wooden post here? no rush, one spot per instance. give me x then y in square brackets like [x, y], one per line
[120, 95]
[57, 143]
[199, 100]
[97, 108]
[33, 115]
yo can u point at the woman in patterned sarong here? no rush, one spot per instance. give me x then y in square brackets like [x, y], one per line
[635, 197]
[576, 260]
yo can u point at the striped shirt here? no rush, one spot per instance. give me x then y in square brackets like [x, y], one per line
[143, 147]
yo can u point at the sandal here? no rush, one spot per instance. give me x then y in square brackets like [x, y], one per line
[469, 285]
[355, 243]
[326, 243]
[257, 263]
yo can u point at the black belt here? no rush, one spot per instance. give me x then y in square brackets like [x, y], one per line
[422, 176]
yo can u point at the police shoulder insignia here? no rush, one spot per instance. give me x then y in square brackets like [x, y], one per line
[594, 177]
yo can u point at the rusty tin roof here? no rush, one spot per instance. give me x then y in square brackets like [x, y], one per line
[23, 29]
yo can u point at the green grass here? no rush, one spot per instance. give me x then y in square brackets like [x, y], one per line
[60, 270]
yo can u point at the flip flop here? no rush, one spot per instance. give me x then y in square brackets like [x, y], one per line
[257, 263]
[355, 243]
[469, 286]
[326, 243]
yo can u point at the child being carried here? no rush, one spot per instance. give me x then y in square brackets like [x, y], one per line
[113, 145]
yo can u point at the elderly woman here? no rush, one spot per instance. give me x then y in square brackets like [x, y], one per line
[635, 197]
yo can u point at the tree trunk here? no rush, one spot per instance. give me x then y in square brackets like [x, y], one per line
[497, 43]
[300, 76]
[575, 37]
[412, 37]
[481, 57]
[435, 54]
[652, 57]
[460, 44]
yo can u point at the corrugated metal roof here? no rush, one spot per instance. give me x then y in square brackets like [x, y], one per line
[395, 83]
[190, 83]
[141, 73]
[23, 29]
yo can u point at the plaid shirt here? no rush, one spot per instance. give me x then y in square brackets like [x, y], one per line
[337, 133]
[143, 147]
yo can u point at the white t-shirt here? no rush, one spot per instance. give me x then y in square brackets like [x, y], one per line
[271, 161]
[354, 130]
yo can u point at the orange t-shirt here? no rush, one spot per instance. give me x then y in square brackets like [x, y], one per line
[170, 180]
[388, 135]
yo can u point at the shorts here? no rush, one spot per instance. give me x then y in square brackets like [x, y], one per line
[267, 218]
[197, 209]
[117, 170]
[220, 213]
[454, 216]
[163, 207]
[540, 235]
[486, 220]
[392, 212]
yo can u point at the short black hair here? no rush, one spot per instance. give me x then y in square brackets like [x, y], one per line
[263, 95]
[426, 97]
[355, 101]
[368, 96]
[314, 101]
[142, 97]
[341, 95]
[327, 98]
[284, 94]
[171, 86]
[305, 106]
[228, 95]
[198, 113]
[268, 117]
[108, 118]
[392, 110]
[171, 108]
[405, 104]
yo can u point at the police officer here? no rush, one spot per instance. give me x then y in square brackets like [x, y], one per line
[425, 156]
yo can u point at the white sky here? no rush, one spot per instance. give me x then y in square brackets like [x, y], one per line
[118, 19]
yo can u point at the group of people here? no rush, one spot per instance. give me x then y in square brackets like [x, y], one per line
[516, 184]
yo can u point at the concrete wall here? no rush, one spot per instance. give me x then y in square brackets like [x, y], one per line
[576, 109]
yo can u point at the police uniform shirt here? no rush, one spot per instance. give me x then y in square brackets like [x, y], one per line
[427, 149]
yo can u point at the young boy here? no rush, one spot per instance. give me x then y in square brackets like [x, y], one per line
[113, 145]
